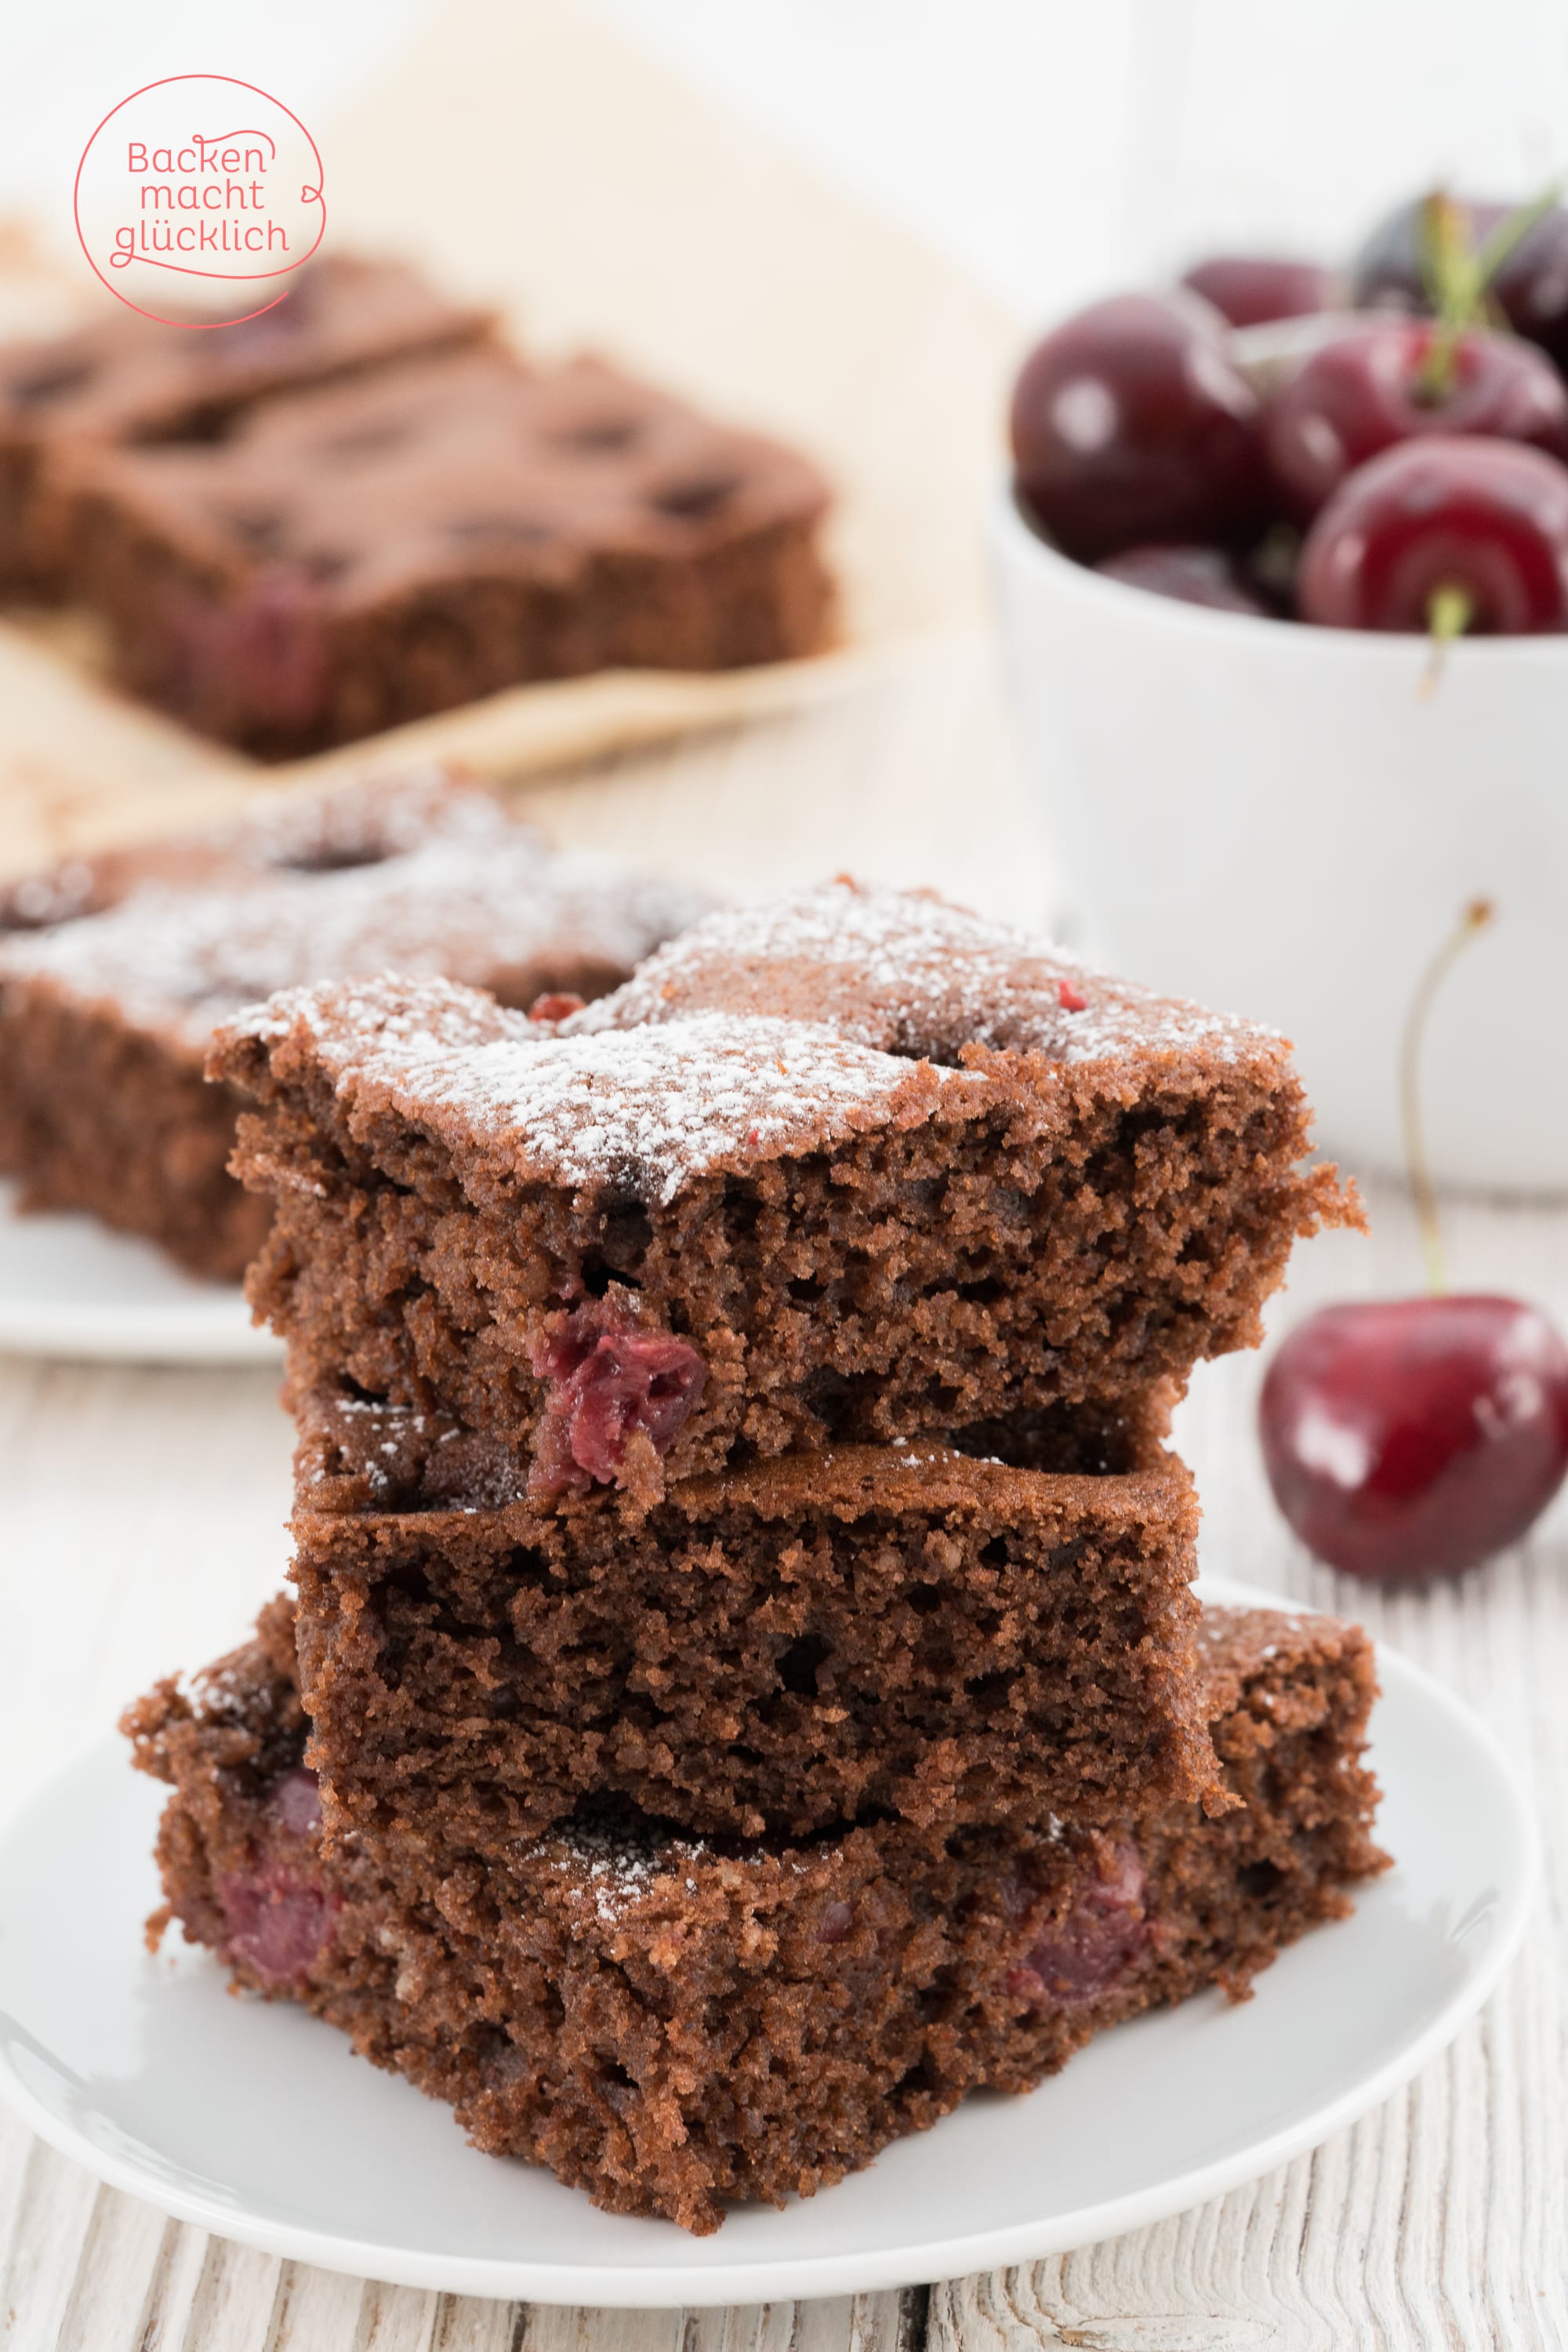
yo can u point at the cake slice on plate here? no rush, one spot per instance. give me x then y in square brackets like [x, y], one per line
[675, 2022]
[352, 559]
[115, 970]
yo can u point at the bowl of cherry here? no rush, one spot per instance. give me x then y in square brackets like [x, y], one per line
[1282, 565]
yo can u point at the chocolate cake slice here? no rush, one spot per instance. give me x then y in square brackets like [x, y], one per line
[851, 1167]
[126, 379]
[114, 971]
[349, 560]
[673, 2022]
[806, 1642]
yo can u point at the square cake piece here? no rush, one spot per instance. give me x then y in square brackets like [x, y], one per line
[115, 970]
[353, 558]
[778, 1649]
[125, 378]
[854, 1167]
[673, 2023]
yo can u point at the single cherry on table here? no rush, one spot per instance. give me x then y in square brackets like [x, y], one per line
[1410, 1438]
[1446, 535]
[1133, 424]
[1400, 380]
[1251, 289]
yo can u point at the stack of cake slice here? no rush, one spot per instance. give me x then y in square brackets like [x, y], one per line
[744, 1689]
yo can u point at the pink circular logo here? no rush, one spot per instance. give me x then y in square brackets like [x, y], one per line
[197, 198]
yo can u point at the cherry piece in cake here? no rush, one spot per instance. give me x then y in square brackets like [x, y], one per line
[611, 1383]
[275, 1921]
[1096, 1941]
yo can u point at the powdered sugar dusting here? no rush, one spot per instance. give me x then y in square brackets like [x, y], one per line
[908, 972]
[616, 1867]
[644, 1107]
[424, 878]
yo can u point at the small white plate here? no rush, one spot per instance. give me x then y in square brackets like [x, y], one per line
[257, 2122]
[69, 1286]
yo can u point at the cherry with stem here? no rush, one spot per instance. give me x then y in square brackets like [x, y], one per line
[1443, 535]
[1458, 273]
[1410, 1438]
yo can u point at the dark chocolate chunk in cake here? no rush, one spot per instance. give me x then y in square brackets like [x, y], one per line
[674, 2022]
[115, 970]
[856, 1166]
[350, 559]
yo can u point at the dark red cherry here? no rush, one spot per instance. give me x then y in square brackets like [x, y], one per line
[1249, 289]
[1414, 1437]
[1361, 394]
[1482, 524]
[1191, 575]
[1389, 272]
[1131, 424]
[609, 1382]
[1530, 285]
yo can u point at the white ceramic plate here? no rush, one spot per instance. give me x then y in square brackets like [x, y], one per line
[257, 2122]
[69, 1286]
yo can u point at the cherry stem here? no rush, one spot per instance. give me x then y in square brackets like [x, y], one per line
[1458, 276]
[1450, 609]
[1423, 1191]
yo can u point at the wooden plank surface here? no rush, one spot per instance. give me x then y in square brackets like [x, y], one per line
[140, 1525]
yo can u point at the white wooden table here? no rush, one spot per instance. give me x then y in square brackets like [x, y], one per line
[140, 1525]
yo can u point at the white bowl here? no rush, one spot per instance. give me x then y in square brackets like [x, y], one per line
[1278, 820]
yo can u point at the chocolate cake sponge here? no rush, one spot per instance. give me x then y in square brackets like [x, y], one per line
[115, 970]
[125, 379]
[675, 2023]
[352, 559]
[781, 1648]
[849, 1167]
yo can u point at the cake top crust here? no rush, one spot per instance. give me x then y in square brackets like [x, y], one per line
[645, 1108]
[759, 1032]
[422, 872]
[469, 462]
[123, 374]
[907, 971]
